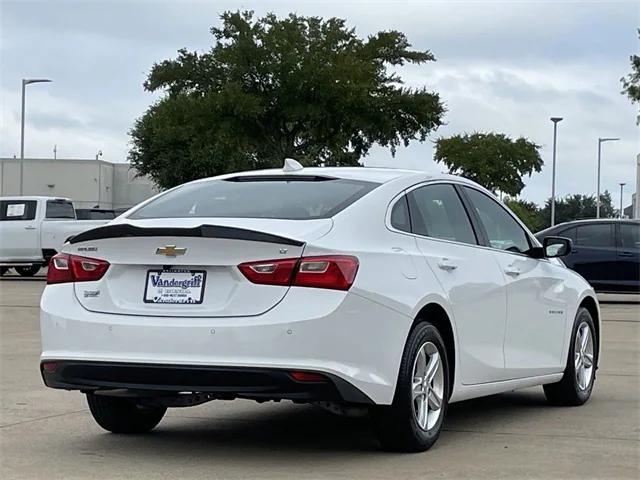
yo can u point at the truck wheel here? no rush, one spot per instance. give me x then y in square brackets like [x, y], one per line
[28, 271]
[123, 415]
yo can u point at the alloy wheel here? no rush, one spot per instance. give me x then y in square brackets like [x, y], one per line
[583, 356]
[427, 386]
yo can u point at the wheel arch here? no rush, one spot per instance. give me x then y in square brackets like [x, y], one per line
[436, 314]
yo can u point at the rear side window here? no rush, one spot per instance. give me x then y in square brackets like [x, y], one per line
[17, 210]
[60, 209]
[437, 212]
[292, 198]
[597, 235]
[630, 235]
[400, 215]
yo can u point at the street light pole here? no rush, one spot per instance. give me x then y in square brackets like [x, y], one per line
[600, 142]
[555, 121]
[621, 190]
[25, 82]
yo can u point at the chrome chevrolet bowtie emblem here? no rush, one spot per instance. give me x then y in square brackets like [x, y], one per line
[170, 251]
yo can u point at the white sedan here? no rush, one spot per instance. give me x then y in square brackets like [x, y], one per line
[387, 291]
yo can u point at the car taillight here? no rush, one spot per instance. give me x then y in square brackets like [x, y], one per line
[65, 268]
[336, 272]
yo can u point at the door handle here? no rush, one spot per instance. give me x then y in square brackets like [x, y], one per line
[625, 254]
[512, 271]
[447, 265]
[29, 227]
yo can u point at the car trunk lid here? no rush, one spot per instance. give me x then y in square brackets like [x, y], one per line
[195, 261]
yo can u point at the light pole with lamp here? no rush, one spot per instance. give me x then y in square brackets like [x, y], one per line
[25, 82]
[600, 141]
[555, 121]
[621, 191]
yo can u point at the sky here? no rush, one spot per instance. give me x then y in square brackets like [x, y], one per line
[503, 66]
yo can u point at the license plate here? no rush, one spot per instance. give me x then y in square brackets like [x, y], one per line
[175, 286]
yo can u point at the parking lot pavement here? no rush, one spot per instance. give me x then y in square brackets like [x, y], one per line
[50, 434]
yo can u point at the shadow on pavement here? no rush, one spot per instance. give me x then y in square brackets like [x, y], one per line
[297, 428]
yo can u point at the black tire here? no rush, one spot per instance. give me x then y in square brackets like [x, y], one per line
[396, 426]
[28, 271]
[123, 415]
[567, 392]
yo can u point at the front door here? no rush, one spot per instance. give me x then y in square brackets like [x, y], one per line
[536, 297]
[595, 256]
[19, 235]
[469, 277]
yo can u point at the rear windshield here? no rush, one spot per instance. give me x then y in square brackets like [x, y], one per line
[302, 198]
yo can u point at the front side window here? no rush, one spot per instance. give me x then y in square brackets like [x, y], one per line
[17, 210]
[60, 209]
[630, 235]
[596, 235]
[502, 230]
[437, 212]
[568, 233]
[292, 198]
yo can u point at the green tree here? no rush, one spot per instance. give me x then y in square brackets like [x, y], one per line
[528, 212]
[631, 83]
[271, 88]
[578, 207]
[493, 160]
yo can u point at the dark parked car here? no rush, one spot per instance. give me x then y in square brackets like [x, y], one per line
[95, 214]
[605, 252]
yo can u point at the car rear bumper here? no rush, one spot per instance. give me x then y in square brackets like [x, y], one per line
[221, 382]
[340, 334]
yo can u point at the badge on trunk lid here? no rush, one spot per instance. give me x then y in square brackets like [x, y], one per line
[170, 251]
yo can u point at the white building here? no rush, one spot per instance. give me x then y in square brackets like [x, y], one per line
[89, 183]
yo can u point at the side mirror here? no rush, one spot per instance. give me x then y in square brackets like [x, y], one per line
[556, 247]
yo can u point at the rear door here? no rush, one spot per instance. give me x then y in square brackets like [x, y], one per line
[468, 274]
[536, 296]
[595, 255]
[19, 236]
[628, 248]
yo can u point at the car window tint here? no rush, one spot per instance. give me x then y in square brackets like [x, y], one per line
[596, 235]
[503, 232]
[60, 209]
[17, 210]
[630, 235]
[400, 215]
[437, 211]
[568, 233]
[299, 198]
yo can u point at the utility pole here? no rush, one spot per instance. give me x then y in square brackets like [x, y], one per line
[621, 192]
[25, 82]
[600, 142]
[555, 121]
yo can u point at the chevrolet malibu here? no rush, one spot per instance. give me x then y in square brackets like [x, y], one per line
[391, 292]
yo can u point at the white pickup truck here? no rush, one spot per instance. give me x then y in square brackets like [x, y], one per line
[33, 229]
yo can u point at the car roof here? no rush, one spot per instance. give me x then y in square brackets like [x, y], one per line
[367, 174]
[33, 197]
[588, 221]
